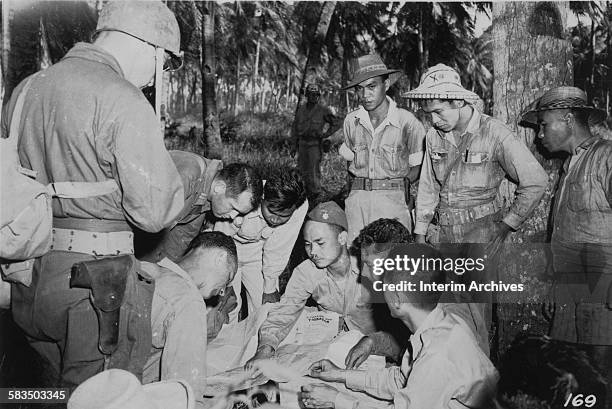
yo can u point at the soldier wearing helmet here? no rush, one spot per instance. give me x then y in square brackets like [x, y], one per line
[309, 137]
[85, 119]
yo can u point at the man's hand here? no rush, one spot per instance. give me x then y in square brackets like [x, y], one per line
[326, 371]
[319, 396]
[501, 232]
[420, 238]
[359, 353]
[270, 297]
[263, 352]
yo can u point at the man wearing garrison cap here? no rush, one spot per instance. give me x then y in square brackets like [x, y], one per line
[328, 276]
[582, 224]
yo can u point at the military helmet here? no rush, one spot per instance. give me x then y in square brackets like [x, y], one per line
[148, 21]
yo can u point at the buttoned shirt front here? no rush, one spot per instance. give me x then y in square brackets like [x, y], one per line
[446, 370]
[390, 150]
[349, 298]
[82, 121]
[467, 171]
[257, 242]
[178, 324]
[583, 204]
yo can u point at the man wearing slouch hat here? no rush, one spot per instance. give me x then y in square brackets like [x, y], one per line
[582, 219]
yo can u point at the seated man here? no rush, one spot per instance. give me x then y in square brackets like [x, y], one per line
[265, 238]
[328, 276]
[374, 242]
[445, 369]
[178, 312]
[212, 191]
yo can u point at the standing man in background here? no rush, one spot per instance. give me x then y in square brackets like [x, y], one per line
[386, 150]
[308, 137]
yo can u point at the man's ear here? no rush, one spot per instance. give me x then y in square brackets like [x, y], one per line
[387, 84]
[343, 238]
[570, 119]
[219, 187]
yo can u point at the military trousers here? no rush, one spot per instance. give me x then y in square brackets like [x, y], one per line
[309, 162]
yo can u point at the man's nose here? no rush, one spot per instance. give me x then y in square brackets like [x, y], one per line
[238, 220]
[540, 132]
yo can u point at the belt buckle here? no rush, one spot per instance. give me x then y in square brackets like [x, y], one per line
[367, 184]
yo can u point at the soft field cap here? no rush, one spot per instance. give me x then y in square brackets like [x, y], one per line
[119, 389]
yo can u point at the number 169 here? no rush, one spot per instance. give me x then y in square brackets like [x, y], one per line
[580, 400]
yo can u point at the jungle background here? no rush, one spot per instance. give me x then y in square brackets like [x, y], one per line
[247, 64]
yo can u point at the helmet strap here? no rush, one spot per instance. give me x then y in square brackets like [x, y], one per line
[159, 72]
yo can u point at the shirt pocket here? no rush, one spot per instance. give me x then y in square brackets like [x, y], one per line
[361, 156]
[439, 161]
[578, 196]
[476, 169]
[392, 157]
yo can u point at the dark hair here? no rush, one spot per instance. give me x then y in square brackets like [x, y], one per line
[382, 233]
[215, 239]
[284, 190]
[239, 178]
[582, 116]
[426, 300]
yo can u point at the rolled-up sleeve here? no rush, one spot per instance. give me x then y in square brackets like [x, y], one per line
[428, 195]
[520, 164]
[283, 315]
[277, 248]
[152, 188]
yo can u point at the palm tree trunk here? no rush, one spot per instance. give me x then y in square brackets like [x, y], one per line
[212, 132]
[525, 67]
[314, 52]
[236, 87]
[255, 69]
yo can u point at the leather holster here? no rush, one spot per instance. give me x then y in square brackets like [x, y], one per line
[107, 279]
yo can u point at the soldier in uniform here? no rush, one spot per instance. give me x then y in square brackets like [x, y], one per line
[582, 225]
[384, 145]
[85, 119]
[309, 137]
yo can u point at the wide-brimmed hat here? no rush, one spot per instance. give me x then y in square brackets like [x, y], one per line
[562, 98]
[370, 66]
[119, 389]
[441, 82]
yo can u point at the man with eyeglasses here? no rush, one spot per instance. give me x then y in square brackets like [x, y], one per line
[178, 313]
[85, 119]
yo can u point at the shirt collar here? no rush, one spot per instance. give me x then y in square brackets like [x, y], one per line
[171, 265]
[392, 114]
[432, 319]
[94, 53]
[587, 144]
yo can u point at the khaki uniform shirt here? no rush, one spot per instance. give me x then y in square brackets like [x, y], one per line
[178, 324]
[390, 150]
[349, 299]
[83, 122]
[467, 172]
[446, 370]
[256, 242]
